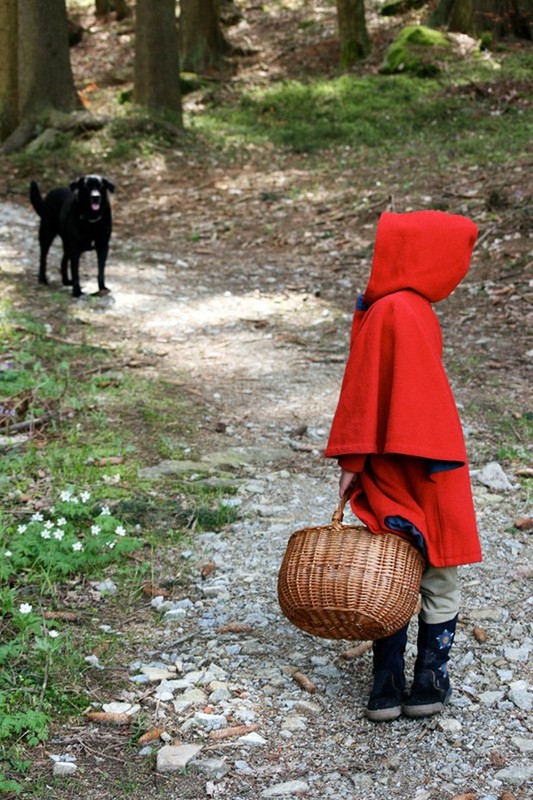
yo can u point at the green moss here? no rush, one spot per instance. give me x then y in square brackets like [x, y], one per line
[415, 50]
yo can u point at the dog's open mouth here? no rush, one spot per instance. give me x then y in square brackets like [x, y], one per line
[96, 201]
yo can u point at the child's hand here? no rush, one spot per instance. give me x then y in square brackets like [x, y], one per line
[345, 480]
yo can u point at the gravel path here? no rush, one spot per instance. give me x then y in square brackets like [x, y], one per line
[268, 361]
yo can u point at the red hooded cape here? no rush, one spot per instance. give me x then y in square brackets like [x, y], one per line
[396, 422]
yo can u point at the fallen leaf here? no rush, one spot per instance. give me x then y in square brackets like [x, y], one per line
[108, 717]
[497, 759]
[480, 635]
[304, 682]
[523, 523]
[359, 650]
[207, 569]
[235, 627]
[152, 590]
[237, 730]
[150, 736]
[108, 461]
[64, 616]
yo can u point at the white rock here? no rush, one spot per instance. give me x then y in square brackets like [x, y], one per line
[156, 674]
[210, 722]
[450, 725]
[252, 739]
[493, 476]
[64, 768]
[287, 788]
[172, 758]
[121, 708]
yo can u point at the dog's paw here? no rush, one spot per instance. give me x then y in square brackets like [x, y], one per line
[102, 292]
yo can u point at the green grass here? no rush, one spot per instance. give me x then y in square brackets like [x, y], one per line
[398, 114]
[105, 423]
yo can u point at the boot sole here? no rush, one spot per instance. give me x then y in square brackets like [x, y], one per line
[427, 710]
[383, 714]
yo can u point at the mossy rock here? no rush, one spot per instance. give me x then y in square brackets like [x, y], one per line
[416, 49]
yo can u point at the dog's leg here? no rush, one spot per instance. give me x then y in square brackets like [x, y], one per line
[64, 270]
[102, 258]
[45, 240]
[75, 268]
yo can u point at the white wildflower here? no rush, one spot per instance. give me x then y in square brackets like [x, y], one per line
[25, 608]
[120, 531]
[48, 524]
[95, 530]
[111, 545]
[105, 512]
[45, 534]
[22, 528]
[8, 553]
[37, 517]
[53, 634]
[84, 496]
[58, 534]
[61, 522]
[65, 496]
[77, 546]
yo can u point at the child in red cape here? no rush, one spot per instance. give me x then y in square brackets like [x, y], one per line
[397, 436]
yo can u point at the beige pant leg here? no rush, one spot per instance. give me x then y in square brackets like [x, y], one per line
[441, 594]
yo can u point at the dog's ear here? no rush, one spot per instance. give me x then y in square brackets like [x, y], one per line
[108, 185]
[76, 184]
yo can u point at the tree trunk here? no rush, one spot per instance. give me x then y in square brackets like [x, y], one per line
[202, 44]
[8, 68]
[157, 71]
[353, 34]
[499, 17]
[45, 74]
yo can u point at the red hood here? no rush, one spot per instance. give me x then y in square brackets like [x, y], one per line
[426, 251]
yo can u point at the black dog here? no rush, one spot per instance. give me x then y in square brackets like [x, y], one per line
[81, 215]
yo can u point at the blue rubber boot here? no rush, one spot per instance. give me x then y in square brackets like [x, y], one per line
[431, 688]
[386, 697]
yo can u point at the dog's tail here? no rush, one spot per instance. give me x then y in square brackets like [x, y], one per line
[36, 198]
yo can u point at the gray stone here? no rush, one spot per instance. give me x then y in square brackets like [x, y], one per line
[522, 699]
[214, 768]
[517, 774]
[523, 744]
[106, 587]
[287, 788]
[210, 722]
[172, 758]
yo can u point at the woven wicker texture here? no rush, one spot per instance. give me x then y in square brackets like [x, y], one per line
[343, 582]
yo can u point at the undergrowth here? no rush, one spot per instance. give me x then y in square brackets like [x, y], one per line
[74, 430]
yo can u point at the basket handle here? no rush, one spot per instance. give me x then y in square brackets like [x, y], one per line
[338, 514]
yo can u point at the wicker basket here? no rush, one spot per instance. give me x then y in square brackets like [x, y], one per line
[343, 582]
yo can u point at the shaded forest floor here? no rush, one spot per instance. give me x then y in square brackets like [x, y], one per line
[234, 268]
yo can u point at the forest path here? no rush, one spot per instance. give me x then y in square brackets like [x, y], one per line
[261, 341]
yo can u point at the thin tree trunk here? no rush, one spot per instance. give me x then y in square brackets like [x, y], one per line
[202, 44]
[353, 34]
[157, 72]
[45, 74]
[8, 68]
